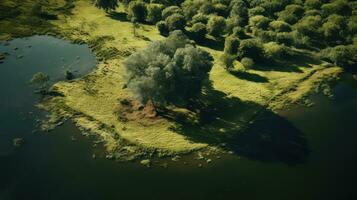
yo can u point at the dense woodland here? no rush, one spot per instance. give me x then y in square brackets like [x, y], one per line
[256, 30]
[250, 31]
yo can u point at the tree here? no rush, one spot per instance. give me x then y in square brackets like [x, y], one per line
[343, 56]
[170, 71]
[252, 48]
[275, 51]
[199, 31]
[162, 27]
[176, 22]
[106, 5]
[216, 25]
[231, 45]
[247, 63]
[137, 11]
[291, 14]
[170, 11]
[280, 26]
[154, 13]
[259, 21]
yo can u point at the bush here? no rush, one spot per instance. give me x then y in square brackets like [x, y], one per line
[216, 26]
[176, 22]
[228, 60]
[168, 72]
[252, 48]
[199, 31]
[247, 63]
[162, 27]
[137, 11]
[343, 56]
[280, 26]
[154, 13]
[231, 45]
[259, 21]
[107, 5]
[170, 11]
[275, 51]
[199, 18]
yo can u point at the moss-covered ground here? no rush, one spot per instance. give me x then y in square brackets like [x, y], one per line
[230, 103]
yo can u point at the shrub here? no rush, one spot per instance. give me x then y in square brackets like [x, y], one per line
[137, 11]
[216, 26]
[275, 51]
[170, 11]
[247, 63]
[228, 60]
[176, 22]
[252, 48]
[231, 45]
[199, 31]
[162, 27]
[280, 26]
[259, 21]
[154, 13]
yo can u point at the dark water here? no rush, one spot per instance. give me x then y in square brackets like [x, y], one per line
[55, 166]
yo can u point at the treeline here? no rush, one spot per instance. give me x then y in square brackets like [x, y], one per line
[256, 30]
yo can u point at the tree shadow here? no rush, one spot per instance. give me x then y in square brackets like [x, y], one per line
[245, 128]
[121, 16]
[291, 63]
[217, 44]
[249, 76]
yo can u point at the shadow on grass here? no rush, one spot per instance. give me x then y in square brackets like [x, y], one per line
[229, 122]
[292, 63]
[249, 76]
[121, 16]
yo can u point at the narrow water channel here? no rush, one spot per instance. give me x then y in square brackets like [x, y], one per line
[59, 164]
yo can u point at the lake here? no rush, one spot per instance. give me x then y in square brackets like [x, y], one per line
[304, 153]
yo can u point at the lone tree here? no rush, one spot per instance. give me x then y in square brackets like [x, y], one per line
[106, 5]
[171, 71]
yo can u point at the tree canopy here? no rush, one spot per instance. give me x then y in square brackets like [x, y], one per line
[171, 71]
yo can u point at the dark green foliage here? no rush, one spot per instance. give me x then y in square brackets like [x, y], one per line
[343, 56]
[199, 18]
[280, 26]
[291, 14]
[239, 32]
[168, 72]
[176, 22]
[199, 31]
[106, 5]
[340, 7]
[312, 4]
[252, 48]
[137, 11]
[231, 45]
[216, 26]
[275, 51]
[154, 13]
[259, 21]
[170, 11]
[309, 26]
[162, 27]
